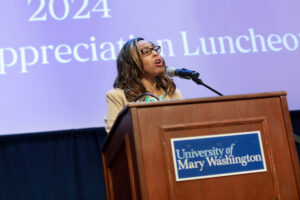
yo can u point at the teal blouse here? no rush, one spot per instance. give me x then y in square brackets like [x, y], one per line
[150, 99]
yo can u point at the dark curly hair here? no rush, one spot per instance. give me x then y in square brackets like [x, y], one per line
[130, 69]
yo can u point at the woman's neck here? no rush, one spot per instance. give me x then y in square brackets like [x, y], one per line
[151, 86]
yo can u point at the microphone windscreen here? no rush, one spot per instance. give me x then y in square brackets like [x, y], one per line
[170, 71]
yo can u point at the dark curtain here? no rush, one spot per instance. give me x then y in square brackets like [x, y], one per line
[63, 165]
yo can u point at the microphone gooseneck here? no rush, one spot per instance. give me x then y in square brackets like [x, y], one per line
[188, 74]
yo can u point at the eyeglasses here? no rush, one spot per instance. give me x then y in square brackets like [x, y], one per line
[148, 51]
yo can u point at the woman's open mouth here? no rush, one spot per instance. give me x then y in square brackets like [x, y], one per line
[158, 62]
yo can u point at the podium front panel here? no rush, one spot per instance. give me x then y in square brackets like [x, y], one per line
[200, 119]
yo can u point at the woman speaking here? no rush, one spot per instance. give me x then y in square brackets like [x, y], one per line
[141, 70]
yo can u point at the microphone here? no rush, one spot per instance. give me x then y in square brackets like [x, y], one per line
[181, 73]
[188, 74]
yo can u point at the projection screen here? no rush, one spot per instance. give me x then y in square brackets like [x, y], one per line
[58, 57]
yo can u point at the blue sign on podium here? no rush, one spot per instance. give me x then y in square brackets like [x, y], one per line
[218, 155]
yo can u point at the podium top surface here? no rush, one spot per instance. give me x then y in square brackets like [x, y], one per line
[207, 99]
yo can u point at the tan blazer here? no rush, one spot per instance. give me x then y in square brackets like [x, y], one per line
[116, 100]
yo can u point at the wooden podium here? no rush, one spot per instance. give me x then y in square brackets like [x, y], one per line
[137, 154]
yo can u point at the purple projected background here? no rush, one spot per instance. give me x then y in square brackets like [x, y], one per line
[57, 57]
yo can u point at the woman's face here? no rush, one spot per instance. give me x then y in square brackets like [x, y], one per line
[151, 59]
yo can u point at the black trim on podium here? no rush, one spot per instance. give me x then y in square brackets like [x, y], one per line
[295, 118]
